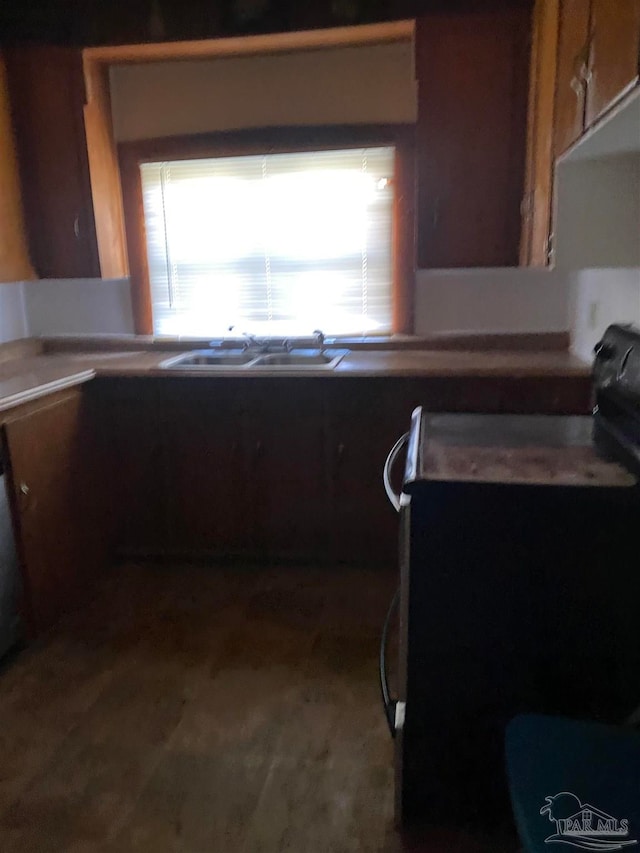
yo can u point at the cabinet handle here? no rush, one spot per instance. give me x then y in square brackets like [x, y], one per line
[388, 465]
[577, 86]
[76, 227]
[23, 497]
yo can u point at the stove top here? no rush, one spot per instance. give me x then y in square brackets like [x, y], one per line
[527, 449]
[603, 450]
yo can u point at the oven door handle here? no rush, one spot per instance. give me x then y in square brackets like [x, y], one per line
[388, 703]
[394, 498]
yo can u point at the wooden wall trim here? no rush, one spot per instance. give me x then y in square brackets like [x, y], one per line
[104, 172]
[350, 36]
[273, 140]
[136, 242]
[539, 167]
[15, 264]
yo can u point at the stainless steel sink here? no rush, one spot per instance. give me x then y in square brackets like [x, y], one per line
[207, 359]
[214, 360]
[300, 358]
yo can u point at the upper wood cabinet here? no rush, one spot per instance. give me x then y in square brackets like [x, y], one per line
[615, 53]
[472, 101]
[47, 96]
[71, 198]
[585, 57]
[572, 65]
[14, 257]
[598, 61]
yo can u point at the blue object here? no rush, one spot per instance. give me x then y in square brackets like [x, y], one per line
[574, 785]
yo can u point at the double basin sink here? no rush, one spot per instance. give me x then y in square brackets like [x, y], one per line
[212, 360]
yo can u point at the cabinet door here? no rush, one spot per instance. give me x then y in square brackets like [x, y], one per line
[365, 419]
[615, 53]
[288, 478]
[47, 96]
[536, 206]
[573, 47]
[132, 423]
[55, 493]
[14, 257]
[205, 478]
[471, 134]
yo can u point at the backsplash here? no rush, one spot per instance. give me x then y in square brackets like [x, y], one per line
[491, 300]
[599, 297]
[65, 307]
[499, 300]
[79, 306]
[13, 314]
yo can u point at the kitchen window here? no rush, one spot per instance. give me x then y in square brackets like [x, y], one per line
[271, 242]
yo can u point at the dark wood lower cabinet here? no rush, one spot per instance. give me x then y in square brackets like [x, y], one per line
[130, 414]
[54, 460]
[274, 469]
[288, 482]
[205, 468]
[279, 468]
[364, 421]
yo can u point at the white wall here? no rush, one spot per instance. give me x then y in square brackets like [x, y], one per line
[491, 300]
[597, 221]
[356, 85]
[597, 226]
[600, 297]
[13, 314]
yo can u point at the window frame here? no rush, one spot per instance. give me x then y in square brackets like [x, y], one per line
[277, 140]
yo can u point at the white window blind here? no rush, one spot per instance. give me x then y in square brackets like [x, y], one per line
[271, 244]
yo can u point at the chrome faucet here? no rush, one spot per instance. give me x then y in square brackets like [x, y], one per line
[263, 345]
[251, 342]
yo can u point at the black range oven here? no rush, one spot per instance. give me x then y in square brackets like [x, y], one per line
[519, 585]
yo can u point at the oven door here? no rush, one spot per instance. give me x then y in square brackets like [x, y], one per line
[393, 707]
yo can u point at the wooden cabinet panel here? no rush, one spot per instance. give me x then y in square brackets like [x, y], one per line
[47, 97]
[472, 101]
[282, 468]
[365, 419]
[14, 257]
[572, 65]
[55, 483]
[206, 473]
[135, 446]
[537, 199]
[285, 435]
[615, 53]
